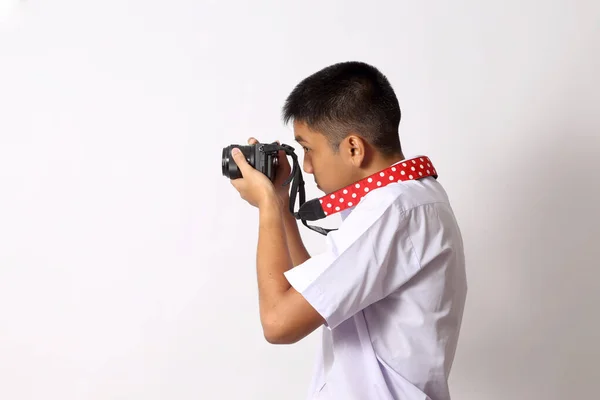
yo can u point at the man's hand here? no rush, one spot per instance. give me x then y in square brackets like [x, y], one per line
[283, 172]
[254, 186]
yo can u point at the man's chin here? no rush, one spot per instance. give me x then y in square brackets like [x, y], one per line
[321, 189]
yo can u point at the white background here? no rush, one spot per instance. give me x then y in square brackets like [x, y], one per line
[127, 260]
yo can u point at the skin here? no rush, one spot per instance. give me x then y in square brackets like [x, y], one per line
[285, 315]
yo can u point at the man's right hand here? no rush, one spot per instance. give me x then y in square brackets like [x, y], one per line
[283, 172]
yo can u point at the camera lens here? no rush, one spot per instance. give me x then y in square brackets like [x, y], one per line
[228, 166]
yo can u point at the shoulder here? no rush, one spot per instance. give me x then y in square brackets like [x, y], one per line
[396, 202]
[412, 210]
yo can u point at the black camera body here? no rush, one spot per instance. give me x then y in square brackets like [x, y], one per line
[261, 156]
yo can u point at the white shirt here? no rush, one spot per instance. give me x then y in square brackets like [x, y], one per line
[391, 287]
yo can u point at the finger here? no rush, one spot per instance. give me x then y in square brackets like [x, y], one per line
[252, 141]
[281, 153]
[240, 160]
[236, 184]
[283, 158]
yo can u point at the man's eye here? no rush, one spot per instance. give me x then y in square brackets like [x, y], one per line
[305, 148]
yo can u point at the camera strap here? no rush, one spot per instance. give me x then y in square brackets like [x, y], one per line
[297, 180]
[411, 169]
[347, 197]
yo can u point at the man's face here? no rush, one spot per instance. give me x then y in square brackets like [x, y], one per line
[331, 170]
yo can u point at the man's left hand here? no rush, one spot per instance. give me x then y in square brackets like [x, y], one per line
[254, 186]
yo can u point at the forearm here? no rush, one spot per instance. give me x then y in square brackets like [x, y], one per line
[272, 260]
[298, 251]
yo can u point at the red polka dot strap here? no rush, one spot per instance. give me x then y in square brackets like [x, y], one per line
[347, 197]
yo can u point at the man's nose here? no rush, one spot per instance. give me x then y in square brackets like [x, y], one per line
[307, 166]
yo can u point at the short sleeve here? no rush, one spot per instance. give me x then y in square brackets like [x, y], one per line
[368, 258]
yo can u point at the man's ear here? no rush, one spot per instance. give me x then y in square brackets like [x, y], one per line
[354, 148]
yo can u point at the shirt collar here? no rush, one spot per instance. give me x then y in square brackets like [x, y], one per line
[345, 213]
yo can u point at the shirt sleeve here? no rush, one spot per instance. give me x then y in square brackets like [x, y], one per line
[369, 257]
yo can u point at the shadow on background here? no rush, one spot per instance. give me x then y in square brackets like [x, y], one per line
[538, 324]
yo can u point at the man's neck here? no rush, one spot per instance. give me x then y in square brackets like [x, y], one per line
[382, 163]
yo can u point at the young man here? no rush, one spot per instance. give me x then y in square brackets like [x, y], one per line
[389, 292]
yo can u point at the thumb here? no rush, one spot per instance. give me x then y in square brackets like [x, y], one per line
[240, 160]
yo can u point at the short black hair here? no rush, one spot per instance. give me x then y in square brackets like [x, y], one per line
[348, 97]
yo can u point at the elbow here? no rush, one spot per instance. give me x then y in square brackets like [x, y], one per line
[277, 333]
[274, 337]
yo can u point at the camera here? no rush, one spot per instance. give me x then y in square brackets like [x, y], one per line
[264, 157]
[261, 156]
